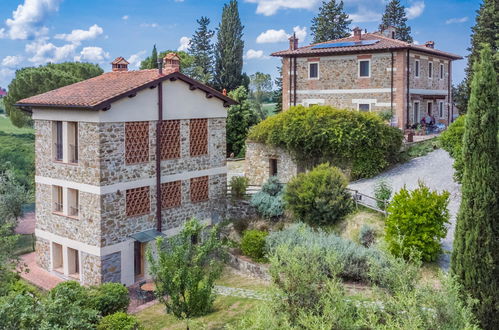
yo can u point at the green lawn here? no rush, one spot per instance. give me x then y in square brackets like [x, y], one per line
[7, 127]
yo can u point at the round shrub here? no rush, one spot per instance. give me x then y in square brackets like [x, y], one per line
[357, 141]
[238, 186]
[416, 222]
[109, 298]
[367, 236]
[253, 244]
[268, 201]
[70, 291]
[319, 197]
[119, 321]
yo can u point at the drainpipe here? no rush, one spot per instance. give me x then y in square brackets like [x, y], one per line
[391, 88]
[449, 96]
[290, 79]
[408, 80]
[158, 149]
[294, 84]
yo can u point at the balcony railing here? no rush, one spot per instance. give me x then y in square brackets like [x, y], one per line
[58, 151]
[74, 211]
[73, 153]
[57, 207]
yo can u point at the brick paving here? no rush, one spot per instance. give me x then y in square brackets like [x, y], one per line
[37, 275]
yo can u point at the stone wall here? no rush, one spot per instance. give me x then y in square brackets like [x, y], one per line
[111, 268]
[240, 209]
[91, 273]
[257, 166]
[248, 267]
[42, 249]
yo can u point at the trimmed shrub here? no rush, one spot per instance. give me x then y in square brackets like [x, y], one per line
[382, 192]
[355, 260]
[319, 197]
[109, 298]
[357, 141]
[238, 186]
[119, 321]
[367, 236]
[416, 222]
[269, 201]
[451, 140]
[253, 244]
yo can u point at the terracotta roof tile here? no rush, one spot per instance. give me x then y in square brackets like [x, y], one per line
[95, 93]
[384, 43]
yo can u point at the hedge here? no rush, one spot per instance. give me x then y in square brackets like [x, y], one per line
[356, 141]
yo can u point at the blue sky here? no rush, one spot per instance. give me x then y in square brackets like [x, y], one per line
[34, 32]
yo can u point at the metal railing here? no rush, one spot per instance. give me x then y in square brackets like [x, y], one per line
[74, 211]
[73, 153]
[58, 207]
[58, 151]
[250, 191]
[370, 202]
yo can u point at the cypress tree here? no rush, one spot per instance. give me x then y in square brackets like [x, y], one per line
[154, 58]
[201, 49]
[394, 15]
[229, 49]
[331, 23]
[278, 91]
[486, 30]
[475, 255]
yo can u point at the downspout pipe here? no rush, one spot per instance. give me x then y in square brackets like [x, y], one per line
[158, 149]
[449, 95]
[294, 83]
[391, 87]
[407, 96]
[290, 78]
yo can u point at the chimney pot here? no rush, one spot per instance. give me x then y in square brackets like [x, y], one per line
[430, 44]
[119, 64]
[293, 42]
[389, 31]
[171, 63]
[357, 33]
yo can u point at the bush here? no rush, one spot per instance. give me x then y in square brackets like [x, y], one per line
[367, 236]
[269, 201]
[238, 186]
[119, 321]
[355, 260]
[357, 141]
[109, 298]
[319, 197]
[253, 244]
[386, 115]
[382, 192]
[416, 222]
[451, 140]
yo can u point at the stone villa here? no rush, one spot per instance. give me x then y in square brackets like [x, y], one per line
[121, 159]
[370, 72]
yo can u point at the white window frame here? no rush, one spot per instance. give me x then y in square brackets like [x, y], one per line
[416, 118]
[441, 73]
[441, 109]
[417, 68]
[358, 106]
[318, 71]
[358, 68]
[430, 72]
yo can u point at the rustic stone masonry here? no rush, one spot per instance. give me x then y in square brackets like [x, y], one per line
[111, 267]
[42, 249]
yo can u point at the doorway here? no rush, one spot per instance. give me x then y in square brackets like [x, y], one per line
[57, 261]
[138, 260]
[429, 107]
[272, 167]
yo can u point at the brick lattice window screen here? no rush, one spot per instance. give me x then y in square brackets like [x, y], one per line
[171, 194]
[136, 142]
[170, 139]
[138, 201]
[199, 137]
[199, 189]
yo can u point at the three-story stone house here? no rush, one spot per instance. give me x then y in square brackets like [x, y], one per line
[120, 159]
[370, 72]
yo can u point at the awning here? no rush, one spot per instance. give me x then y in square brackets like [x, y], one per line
[146, 236]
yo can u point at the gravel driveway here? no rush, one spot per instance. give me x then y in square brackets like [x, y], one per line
[435, 170]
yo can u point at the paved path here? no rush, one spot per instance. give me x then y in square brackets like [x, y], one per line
[37, 275]
[241, 293]
[435, 169]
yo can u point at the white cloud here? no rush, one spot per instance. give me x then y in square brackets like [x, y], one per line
[457, 20]
[415, 10]
[3, 34]
[252, 54]
[416, 42]
[27, 20]
[77, 36]
[149, 25]
[92, 54]
[6, 75]
[136, 58]
[270, 7]
[125, 17]
[273, 36]
[44, 51]
[184, 44]
[365, 15]
[12, 61]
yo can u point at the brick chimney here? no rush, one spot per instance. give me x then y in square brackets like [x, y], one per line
[293, 42]
[430, 44]
[357, 34]
[171, 63]
[120, 64]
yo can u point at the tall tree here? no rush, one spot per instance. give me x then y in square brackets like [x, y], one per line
[331, 23]
[229, 49]
[186, 61]
[475, 255]
[32, 81]
[154, 57]
[486, 30]
[261, 87]
[395, 16]
[201, 49]
[278, 91]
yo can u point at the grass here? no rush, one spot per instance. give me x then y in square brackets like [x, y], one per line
[350, 226]
[7, 127]
[25, 244]
[232, 279]
[419, 149]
